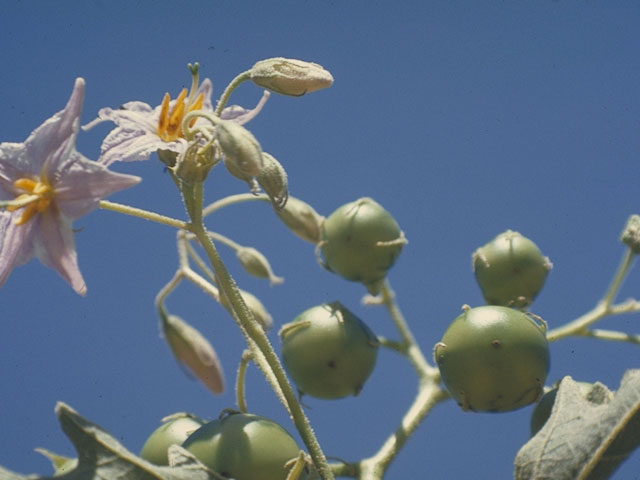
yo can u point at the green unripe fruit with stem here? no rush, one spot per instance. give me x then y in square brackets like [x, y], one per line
[328, 352]
[494, 359]
[174, 430]
[244, 446]
[360, 241]
[510, 270]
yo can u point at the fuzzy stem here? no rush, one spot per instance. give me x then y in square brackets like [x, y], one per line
[138, 212]
[224, 98]
[193, 198]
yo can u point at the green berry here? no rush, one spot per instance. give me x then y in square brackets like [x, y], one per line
[360, 241]
[175, 430]
[494, 359]
[244, 446]
[510, 270]
[328, 351]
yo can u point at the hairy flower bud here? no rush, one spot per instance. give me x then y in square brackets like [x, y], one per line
[256, 307]
[631, 234]
[256, 264]
[289, 76]
[242, 152]
[273, 180]
[301, 219]
[193, 351]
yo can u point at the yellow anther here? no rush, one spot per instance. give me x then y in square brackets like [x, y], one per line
[36, 200]
[170, 121]
[25, 184]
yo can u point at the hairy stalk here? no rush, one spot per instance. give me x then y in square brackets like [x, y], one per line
[138, 212]
[192, 195]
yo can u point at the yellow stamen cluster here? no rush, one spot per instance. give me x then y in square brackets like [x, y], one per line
[37, 198]
[170, 122]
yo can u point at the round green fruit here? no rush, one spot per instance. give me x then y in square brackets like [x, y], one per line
[360, 241]
[174, 430]
[244, 446]
[328, 351]
[510, 270]
[493, 359]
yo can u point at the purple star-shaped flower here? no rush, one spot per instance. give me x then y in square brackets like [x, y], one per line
[45, 184]
[142, 129]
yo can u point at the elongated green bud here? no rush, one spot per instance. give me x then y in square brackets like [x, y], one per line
[289, 76]
[241, 150]
[301, 219]
[273, 180]
[258, 310]
[193, 351]
[631, 234]
[256, 264]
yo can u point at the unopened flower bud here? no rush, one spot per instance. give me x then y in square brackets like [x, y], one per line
[256, 307]
[273, 180]
[256, 264]
[242, 152]
[301, 219]
[631, 234]
[289, 76]
[193, 351]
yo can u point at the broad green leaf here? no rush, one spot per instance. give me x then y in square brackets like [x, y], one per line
[584, 438]
[102, 457]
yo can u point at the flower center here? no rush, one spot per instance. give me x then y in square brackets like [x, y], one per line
[170, 121]
[36, 199]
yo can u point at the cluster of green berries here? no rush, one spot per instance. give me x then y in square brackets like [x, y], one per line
[495, 358]
[237, 445]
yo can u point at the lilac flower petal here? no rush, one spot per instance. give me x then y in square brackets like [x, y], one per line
[14, 250]
[240, 114]
[84, 183]
[76, 185]
[55, 247]
[54, 134]
[206, 88]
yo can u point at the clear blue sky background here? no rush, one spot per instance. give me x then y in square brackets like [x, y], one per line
[462, 118]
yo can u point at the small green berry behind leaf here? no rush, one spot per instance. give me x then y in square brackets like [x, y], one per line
[494, 359]
[595, 393]
[361, 241]
[174, 430]
[328, 351]
[244, 446]
[510, 270]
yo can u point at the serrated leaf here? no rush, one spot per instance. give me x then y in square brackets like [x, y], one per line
[102, 457]
[583, 439]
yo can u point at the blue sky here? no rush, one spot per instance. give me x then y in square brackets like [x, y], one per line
[463, 119]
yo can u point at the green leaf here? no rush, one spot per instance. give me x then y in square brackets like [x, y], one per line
[102, 457]
[584, 438]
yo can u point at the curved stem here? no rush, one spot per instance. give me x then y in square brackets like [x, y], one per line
[242, 372]
[233, 199]
[602, 309]
[224, 98]
[374, 467]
